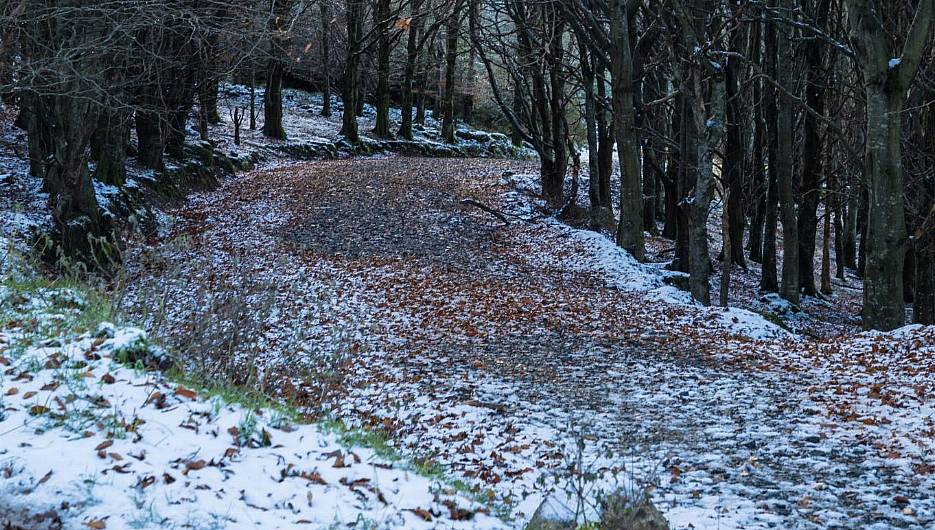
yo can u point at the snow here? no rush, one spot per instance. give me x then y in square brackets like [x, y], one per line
[894, 62]
[98, 443]
[598, 254]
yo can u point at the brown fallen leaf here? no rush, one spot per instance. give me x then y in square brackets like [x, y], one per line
[423, 514]
[339, 461]
[104, 445]
[38, 410]
[313, 476]
[96, 524]
[108, 379]
[29, 394]
[12, 391]
[194, 466]
[184, 392]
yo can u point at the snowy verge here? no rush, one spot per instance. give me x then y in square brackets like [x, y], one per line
[88, 442]
[592, 252]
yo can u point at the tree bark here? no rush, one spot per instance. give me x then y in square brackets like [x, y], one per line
[412, 56]
[452, 29]
[886, 83]
[109, 146]
[812, 154]
[923, 308]
[381, 17]
[275, 68]
[325, 12]
[352, 71]
[784, 125]
[734, 154]
[630, 227]
[600, 217]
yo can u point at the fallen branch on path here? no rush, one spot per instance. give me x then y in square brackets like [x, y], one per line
[492, 211]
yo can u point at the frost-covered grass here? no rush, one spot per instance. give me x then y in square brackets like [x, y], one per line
[91, 438]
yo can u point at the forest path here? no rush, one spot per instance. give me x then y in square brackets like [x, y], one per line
[479, 346]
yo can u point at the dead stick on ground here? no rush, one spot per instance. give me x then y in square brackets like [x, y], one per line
[496, 213]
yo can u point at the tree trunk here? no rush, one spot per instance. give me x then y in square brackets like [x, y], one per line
[734, 156]
[726, 242]
[325, 12]
[760, 184]
[630, 227]
[381, 16]
[516, 135]
[784, 125]
[272, 101]
[152, 131]
[826, 253]
[452, 29]
[469, 88]
[769, 276]
[71, 193]
[671, 182]
[275, 68]
[208, 97]
[605, 143]
[600, 217]
[553, 185]
[812, 155]
[422, 79]
[352, 71]
[886, 83]
[412, 56]
[109, 146]
[688, 164]
[884, 306]
[923, 308]
[252, 99]
[839, 238]
[854, 194]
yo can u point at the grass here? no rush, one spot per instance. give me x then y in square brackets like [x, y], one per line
[381, 444]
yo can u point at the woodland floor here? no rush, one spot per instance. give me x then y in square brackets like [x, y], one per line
[496, 349]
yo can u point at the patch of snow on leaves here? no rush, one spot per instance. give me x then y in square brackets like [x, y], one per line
[622, 271]
[100, 445]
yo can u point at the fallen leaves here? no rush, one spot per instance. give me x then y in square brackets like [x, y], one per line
[423, 514]
[194, 465]
[185, 392]
[38, 410]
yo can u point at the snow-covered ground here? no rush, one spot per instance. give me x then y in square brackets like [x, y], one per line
[496, 351]
[90, 442]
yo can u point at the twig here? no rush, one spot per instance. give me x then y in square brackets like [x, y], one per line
[496, 213]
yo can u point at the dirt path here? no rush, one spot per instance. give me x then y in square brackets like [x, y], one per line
[495, 349]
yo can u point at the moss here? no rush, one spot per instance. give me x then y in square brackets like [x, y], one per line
[775, 319]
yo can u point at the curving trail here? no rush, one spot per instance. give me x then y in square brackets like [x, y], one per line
[494, 349]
